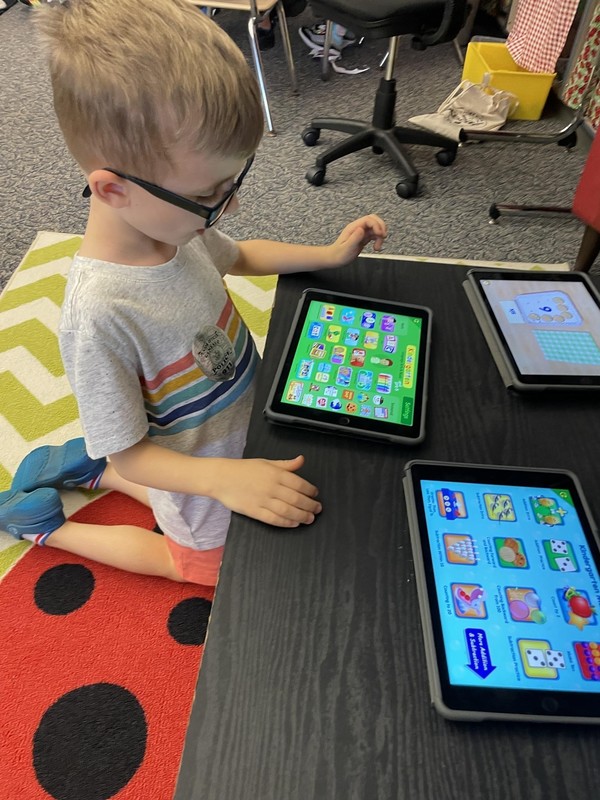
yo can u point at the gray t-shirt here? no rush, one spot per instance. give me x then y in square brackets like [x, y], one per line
[162, 352]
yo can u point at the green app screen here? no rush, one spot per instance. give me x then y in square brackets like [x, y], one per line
[357, 362]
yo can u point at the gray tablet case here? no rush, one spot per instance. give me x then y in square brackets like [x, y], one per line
[507, 374]
[435, 688]
[498, 349]
[290, 419]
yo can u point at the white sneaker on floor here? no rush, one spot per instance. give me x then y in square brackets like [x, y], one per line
[315, 36]
[337, 63]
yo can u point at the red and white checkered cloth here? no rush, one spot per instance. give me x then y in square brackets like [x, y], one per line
[539, 32]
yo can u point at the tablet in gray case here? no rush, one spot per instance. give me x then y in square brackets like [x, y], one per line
[355, 366]
[507, 569]
[542, 328]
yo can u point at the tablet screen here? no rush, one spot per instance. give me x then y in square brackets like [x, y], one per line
[551, 326]
[516, 583]
[357, 363]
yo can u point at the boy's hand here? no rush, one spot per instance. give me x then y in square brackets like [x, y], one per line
[268, 491]
[356, 236]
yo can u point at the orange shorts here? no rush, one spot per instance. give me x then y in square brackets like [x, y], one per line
[196, 566]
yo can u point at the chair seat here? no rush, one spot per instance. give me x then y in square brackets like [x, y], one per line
[238, 5]
[381, 19]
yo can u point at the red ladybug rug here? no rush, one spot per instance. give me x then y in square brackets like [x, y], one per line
[98, 672]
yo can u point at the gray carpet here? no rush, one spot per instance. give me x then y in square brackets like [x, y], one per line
[40, 187]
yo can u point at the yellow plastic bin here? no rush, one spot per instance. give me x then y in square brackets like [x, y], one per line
[531, 88]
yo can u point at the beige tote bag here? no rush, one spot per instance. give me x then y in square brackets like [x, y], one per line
[472, 106]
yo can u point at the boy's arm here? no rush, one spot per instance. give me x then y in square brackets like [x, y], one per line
[265, 257]
[269, 491]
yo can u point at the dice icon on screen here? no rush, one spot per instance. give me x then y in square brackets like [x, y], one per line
[555, 658]
[536, 658]
[565, 564]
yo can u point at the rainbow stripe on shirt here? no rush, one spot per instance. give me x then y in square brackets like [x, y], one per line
[181, 396]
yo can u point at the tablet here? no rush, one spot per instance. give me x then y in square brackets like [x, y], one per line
[543, 328]
[356, 366]
[507, 567]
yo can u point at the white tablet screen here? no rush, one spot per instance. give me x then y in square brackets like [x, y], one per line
[549, 329]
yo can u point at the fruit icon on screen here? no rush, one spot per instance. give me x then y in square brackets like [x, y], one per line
[579, 611]
[579, 605]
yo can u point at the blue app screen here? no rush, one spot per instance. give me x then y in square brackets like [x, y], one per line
[517, 587]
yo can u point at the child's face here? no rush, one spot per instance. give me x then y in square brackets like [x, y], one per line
[200, 177]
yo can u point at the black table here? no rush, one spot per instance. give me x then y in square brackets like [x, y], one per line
[313, 684]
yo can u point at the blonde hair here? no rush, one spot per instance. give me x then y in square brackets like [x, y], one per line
[133, 79]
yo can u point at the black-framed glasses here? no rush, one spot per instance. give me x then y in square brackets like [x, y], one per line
[209, 213]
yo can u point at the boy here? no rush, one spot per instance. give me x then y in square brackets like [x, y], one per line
[160, 110]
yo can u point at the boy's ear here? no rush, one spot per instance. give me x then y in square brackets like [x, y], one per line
[109, 188]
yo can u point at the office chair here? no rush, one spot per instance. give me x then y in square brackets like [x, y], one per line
[257, 10]
[430, 22]
[566, 137]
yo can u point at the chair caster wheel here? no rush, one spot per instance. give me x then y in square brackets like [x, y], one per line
[569, 141]
[406, 189]
[316, 176]
[493, 213]
[445, 157]
[310, 136]
[416, 43]
[377, 150]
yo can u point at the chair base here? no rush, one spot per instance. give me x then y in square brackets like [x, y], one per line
[382, 135]
[514, 210]
[589, 249]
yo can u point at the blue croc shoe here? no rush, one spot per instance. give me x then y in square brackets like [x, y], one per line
[37, 512]
[63, 467]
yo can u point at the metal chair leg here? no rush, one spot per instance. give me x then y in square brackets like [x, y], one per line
[287, 46]
[325, 68]
[391, 61]
[513, 210]
[258, 65]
